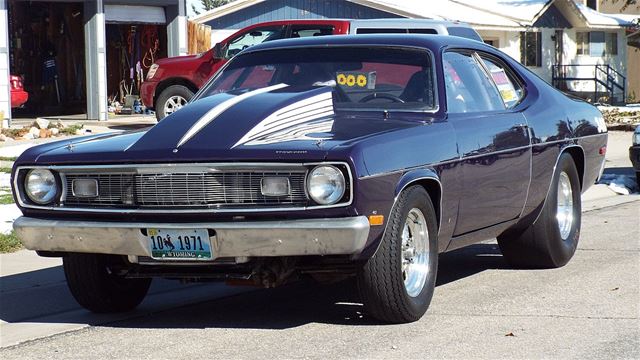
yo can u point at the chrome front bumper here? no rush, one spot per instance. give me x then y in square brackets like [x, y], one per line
[341, 236]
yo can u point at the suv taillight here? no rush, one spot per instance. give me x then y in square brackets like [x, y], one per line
[16, 82]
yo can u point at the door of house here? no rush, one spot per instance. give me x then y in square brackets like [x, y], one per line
[559, 46]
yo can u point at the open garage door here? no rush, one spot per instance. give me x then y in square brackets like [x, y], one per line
[126, 14]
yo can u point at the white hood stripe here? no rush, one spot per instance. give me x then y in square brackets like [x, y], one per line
[298, 132]
[291, 116]
[212, 114]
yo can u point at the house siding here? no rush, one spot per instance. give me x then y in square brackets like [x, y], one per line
[633, 53]
[296, 9]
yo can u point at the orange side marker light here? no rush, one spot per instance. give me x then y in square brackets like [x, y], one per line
[375, 220]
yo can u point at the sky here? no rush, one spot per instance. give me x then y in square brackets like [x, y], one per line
[195, 3]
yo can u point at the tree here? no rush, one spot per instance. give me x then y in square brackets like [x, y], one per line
[210, 4]
[624, 4]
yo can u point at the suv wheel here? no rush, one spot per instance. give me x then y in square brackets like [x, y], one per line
[171, 100]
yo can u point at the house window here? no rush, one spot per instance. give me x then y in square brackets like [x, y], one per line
[612, 44]
[531, 48]
[492, 42]
[582, 43]
[596, 43]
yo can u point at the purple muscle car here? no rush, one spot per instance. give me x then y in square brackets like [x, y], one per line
[361, 156]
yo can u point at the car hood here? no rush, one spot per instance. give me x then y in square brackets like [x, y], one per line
[280, 123]
[178, 59]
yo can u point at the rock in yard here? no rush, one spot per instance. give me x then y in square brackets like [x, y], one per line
[54, 131]
[28, 136]
[3, 137]
[44, 133]
[80, 132]
[35, 132]
[42, 123]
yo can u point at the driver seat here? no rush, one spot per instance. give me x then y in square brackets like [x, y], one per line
[419, 88]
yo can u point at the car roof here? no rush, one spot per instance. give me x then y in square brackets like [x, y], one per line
[391, 22]
[427, 41]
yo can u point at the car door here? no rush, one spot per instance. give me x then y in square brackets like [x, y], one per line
[493, 139]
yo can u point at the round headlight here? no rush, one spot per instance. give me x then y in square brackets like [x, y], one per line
[40, 186]
[326, 184]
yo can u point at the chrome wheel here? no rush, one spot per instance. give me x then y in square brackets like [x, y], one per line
[174, 104]
[415, 252]
[564, 211]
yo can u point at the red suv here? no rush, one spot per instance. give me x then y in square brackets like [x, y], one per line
[18, 95]
[171, 82]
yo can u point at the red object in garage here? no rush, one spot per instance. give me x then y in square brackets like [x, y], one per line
[18, 95]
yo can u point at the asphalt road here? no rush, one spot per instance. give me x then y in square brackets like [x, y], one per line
[481, 309]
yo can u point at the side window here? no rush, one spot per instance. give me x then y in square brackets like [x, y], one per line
[464, 32]
[468, 87]
[306, 31]
[380, 31]
[423, 31]
[510, 89]
[253, 37]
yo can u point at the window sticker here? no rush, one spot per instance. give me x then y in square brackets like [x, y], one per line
[357, 79]
[507, 91]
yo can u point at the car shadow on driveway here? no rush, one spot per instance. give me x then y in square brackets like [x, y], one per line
[306, 301]
[285, 307]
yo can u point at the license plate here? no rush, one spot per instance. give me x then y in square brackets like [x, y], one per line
[179, 244]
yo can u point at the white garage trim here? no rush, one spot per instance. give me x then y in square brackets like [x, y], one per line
[128, 14]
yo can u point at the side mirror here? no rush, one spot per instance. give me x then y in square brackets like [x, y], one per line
[219, 51]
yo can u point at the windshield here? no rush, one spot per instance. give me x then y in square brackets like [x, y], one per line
[360, 78]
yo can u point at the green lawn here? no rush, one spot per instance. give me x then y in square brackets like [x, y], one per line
[9, 243]
[6, 199]
[5, 170]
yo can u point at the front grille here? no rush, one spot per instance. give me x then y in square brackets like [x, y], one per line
[224, 189]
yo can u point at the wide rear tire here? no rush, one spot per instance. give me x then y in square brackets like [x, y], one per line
[396, 285]
[552, 239]
[97, 289]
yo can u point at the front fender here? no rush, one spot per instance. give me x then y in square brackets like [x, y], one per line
[417, 175]
[425, 177]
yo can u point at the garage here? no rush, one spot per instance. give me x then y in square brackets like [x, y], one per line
[78, 57]
[47, 51]
[135, 37]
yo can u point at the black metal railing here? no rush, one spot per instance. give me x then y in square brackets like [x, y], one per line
[607, 81]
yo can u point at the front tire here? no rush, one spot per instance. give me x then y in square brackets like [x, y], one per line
[172, 99]
[551, 241]
[96, 288]
[396, 285]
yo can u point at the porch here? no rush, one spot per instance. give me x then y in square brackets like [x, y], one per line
[599, 83]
